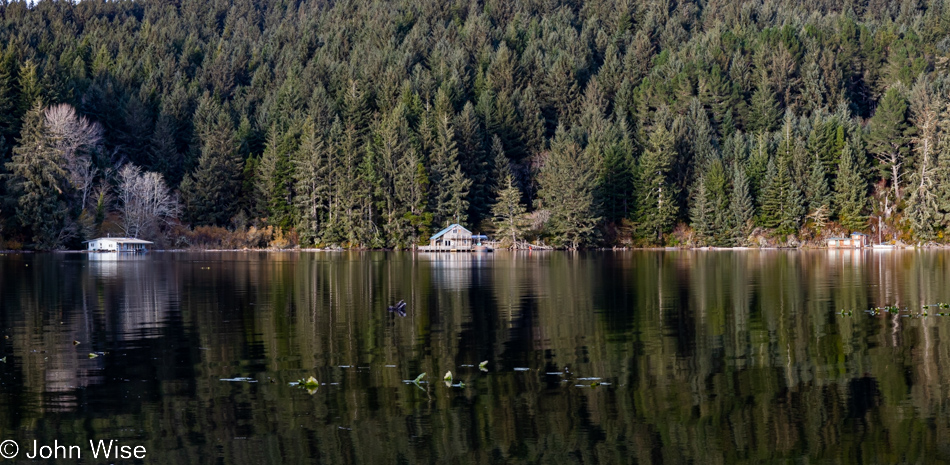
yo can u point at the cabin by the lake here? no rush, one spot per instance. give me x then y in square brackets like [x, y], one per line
[118, 244]
[855, 241]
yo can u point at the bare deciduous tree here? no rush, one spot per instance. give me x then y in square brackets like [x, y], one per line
[76, 138]
[144, 201]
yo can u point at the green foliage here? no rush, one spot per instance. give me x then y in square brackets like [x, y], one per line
[889, 138]
[741, 209]
[568, 180]
[764, 111]
[701, 214]
[274, 177]
[39, 181]
[418, 102]
[312, 184]
[851, 192]
[782, 207]
[656, 202]
[508, 210]
[817, 193]
[210, 192]
[450, 187]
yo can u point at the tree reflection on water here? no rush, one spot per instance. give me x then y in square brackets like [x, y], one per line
[645, 356]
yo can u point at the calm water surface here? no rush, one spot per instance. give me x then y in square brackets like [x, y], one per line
[634, 357]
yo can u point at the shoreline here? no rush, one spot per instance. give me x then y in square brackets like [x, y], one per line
[887, 247]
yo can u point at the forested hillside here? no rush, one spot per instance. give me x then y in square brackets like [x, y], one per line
[374, 123]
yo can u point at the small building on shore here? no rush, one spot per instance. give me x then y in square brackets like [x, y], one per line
[453, 238]
[856, 240]
[118, 244]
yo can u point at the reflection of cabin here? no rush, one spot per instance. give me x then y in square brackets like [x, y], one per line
[118, 244]
[856, 240]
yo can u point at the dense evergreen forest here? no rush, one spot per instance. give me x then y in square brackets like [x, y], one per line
[234, 123]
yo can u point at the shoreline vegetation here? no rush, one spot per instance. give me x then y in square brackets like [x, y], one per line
[575, 124]
[804, 246]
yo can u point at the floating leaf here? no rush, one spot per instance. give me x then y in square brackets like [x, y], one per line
[4, 360]
[419, 378]
[310, 383]
[448, 376]
[483, 366]
[75, 343]
[92, 355]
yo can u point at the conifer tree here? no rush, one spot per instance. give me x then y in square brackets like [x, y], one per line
[39, 182]
[701, 214]
[390, 145]
[764, 113]
[657, 207]
[560, 91]
[455, 197]
[29, 86]
[531, 121]
[211, 191]
[164, 155]
[850, 191]
[9, 122]
[782, 204]
[616, 181]
[412, 188]
[701, 138]
[313, 184]
[922, 208]
[942, 168]
[474, 160]
[817, 193]
[889, 138]
[568, 180]
[508, 209]
[717, 185]
[275, 177]
[501, 166]
[741, 208]
[450, 187]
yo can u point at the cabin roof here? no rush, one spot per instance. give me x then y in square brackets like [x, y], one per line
[838, 239]
[447, 229]
[122, 240]
[858, 234]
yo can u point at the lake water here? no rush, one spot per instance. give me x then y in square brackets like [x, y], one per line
[630, 357]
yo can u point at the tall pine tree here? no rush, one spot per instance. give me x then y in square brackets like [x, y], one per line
[851, 191]
[657, 208]
[889, 138]
[211, 191]
[39, 182]
[568, 180]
